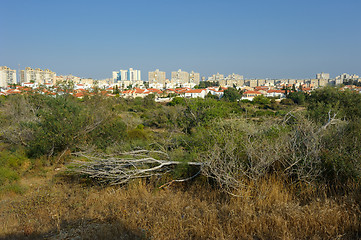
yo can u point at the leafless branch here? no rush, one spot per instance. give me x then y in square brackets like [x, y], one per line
[122, 167]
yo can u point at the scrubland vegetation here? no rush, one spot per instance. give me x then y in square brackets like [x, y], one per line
[232, 169]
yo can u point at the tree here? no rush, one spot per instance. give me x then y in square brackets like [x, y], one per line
[346, 103]
[297, 97]
[205, 84]
[231, 95]
[149, 101]
[210, 95]
[116, 90]
[260, 99]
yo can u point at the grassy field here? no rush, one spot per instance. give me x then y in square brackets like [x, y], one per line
[67, 208]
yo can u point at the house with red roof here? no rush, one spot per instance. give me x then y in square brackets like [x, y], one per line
[195, 93]
[249, 95]
[276, 93]
[215, 91]
[154, 91]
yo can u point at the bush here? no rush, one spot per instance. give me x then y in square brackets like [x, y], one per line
[231, 95]
[177, 101]
[287, 101]
[297, 97]
[346, 104]
[63, 124]
[261, 100]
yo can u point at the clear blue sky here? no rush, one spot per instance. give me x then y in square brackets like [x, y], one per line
[255, 38]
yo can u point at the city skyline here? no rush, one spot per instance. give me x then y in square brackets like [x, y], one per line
[262, 39]
[216, 76]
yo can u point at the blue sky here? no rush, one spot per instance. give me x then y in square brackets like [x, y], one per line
[255, 38]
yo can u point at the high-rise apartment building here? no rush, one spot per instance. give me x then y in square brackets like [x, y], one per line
[194, 78]
[180, 77]
[234, 80]
[157, 77]
[127, 75]
[7, 76]
[346, 76]
[37, 75]
[322, 75]
[216, 77]
[127, 78]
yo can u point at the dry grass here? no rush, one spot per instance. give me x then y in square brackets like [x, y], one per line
[268, 210]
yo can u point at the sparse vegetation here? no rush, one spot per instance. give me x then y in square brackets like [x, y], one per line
[264, 170]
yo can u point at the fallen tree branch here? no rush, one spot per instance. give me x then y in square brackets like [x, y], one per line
[126, 166]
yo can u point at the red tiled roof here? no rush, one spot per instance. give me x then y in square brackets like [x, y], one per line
[79, 94]
[275, 91]
[127, 91]
[195, 90]
[138, 90]
[154, 90]
[252, 92]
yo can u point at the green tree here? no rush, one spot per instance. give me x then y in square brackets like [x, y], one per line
[231, 95]
[346, 104]
[297, 97]
[261, 100]
[116, 90]
[210, 95]
[149, 101]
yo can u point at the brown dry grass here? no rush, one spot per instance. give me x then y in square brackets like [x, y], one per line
[268, 210]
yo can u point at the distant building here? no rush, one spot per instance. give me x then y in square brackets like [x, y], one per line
[7, 76]
[322, 75]
[196, 93]
[194, 78]
[127, 78]
[216, 77]
[127, 75]
[249, 95]
[323, 82]
[345, 76]
[261, 82]
[37, 75]
[157, 77]
[251, 83]
[233, 80]
[180, 77]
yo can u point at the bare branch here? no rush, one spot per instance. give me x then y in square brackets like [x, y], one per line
[125, 166]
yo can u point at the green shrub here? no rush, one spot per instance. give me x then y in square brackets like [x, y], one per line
[287, 101]
[231, 95]
[346, 104]
[297, 97]
[261, 100]
[7, 176]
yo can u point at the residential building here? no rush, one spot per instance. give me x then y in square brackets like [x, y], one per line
[127, 75]
[261, 82]
[251, 83]
[249, 95]
[127, 78]
[216, 77]
[37, 75]
[322, 75]
[194, 78]
[277, 93]
[323, 82]
[233, 80]
[157, 77]
[180, 77]
[196, 93]
[314, 83]
[345, 76]
[269, 82]
[7, 76]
